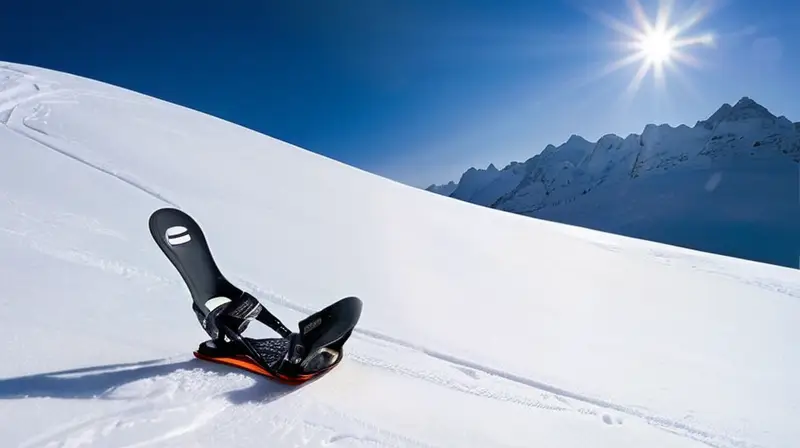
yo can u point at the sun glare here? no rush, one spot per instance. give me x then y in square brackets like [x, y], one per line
[656, 45]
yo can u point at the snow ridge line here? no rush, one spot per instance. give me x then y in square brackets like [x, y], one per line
[661, 422]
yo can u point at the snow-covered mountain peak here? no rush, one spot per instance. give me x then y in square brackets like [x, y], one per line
[472, 171]
[712, 121]
[608, 140]
[474, 180]
[444, 189]
[746, 109]
[575, 139]
[575, 148]
[652, 128]
[550, 148]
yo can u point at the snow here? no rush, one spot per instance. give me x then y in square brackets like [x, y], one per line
[728, 185]
[480, 327]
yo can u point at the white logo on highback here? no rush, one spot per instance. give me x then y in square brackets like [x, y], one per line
[177, 235]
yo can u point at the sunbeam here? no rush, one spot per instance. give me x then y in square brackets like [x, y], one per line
[658, 45]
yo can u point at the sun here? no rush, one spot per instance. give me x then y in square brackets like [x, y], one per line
[656, 45]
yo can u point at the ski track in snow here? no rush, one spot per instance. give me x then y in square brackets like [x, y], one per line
[25, 90]
[473, 370]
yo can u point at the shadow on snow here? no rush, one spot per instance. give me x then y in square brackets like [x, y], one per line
[96, 382]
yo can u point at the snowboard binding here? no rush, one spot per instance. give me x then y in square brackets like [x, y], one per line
[225, 312]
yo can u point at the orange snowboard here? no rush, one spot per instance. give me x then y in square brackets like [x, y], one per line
[244, 362]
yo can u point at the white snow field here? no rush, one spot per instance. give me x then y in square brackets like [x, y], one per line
[480, 328]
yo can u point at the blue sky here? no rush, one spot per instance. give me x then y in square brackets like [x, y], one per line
[415, 90]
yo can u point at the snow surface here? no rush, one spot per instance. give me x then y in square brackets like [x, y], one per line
[480, 327]
[727, 185]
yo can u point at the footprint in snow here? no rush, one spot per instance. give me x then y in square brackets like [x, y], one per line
[607, 419]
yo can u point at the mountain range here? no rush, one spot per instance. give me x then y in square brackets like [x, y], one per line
[727, 185]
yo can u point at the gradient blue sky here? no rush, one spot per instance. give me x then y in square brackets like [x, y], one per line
[415, 90]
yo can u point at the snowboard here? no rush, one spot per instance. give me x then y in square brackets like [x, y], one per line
[225, 311]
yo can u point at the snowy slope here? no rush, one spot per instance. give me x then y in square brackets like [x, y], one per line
[480, 328]
[727, 185]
